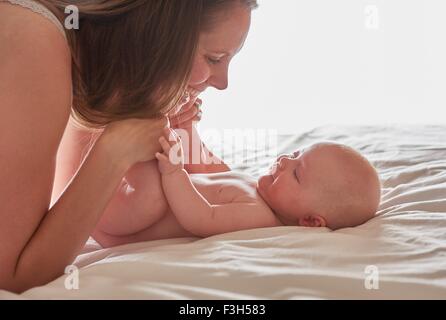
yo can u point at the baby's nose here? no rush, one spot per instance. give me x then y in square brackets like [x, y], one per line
[282, 162]
[281, 157]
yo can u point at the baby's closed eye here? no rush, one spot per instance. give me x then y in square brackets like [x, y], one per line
[296, 174]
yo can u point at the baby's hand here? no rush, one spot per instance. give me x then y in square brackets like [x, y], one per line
[187, 115]
[172, 159]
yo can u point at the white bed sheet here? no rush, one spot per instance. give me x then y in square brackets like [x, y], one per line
[406, 241]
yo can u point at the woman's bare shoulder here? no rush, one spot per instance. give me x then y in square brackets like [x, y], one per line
[36, 60]
[21, 28]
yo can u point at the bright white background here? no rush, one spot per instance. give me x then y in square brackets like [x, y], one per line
[309, 63]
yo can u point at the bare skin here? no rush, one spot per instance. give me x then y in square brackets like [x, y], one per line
[299, 190]
[216, 188]
[35, 103]
[217, 47]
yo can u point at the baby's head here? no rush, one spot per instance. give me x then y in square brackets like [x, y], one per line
[324, 185]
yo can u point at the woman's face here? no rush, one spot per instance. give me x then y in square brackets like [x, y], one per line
[216, 49]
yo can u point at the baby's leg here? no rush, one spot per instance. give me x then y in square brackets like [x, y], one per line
[138, 203]
[167, 228]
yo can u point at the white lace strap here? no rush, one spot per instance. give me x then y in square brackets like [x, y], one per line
[38, 8]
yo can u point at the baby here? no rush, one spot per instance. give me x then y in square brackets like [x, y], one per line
[324, 185]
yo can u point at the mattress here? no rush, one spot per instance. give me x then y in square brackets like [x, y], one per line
[400, 254]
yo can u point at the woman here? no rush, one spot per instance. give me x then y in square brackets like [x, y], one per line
[121, 74]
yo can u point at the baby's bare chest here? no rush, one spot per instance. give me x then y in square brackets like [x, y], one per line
[217, 190]
[226, 189]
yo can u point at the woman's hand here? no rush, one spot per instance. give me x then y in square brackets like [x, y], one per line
[133, 140]
[172, 158]
[184, 115]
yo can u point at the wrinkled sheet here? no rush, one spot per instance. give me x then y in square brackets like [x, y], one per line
[400, 254]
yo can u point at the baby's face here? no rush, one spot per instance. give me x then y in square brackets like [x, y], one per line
[302, 187]
[290, 186]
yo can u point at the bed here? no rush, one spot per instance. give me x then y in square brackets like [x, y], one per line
[400, 254]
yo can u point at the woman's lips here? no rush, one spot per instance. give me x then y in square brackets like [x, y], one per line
[193, 92]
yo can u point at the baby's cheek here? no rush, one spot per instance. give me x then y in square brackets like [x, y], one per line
[276, 193]
[265, 182]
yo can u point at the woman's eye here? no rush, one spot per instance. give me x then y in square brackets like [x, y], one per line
[213, 61]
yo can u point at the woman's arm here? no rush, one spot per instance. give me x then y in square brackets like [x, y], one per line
[64, 229]
[36, 242]
[137, 203]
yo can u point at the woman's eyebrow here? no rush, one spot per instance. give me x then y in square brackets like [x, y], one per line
[224, 52]
[220, 53]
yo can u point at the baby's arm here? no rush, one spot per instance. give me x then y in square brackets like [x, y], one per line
[193, 211]
[199, 158]
[199, 217]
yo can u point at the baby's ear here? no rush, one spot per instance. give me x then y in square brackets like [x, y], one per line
[313, 221]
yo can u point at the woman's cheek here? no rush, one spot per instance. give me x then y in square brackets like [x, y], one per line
[200, 72]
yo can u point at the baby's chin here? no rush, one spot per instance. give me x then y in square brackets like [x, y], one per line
[263, 183]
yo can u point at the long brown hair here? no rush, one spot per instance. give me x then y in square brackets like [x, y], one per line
[132, 58]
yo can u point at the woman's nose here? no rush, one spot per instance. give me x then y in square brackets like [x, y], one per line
[220, 84]
[219, 80]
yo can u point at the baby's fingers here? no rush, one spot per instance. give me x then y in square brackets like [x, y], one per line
[171, 136]
[164, 144]
[161, 157]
